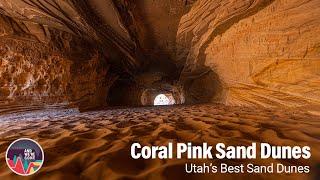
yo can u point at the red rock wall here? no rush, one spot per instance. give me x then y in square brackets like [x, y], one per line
[35, 73]
[266, 53]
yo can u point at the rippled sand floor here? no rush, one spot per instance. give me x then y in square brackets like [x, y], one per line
[96, 144]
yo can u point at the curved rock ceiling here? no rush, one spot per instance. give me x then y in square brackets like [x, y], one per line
[250, 52]
[87, 19]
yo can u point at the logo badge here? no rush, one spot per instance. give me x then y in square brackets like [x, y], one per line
[25, 156]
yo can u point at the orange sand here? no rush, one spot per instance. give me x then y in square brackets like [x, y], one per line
[96, 145]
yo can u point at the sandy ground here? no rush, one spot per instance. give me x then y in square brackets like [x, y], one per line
[96, 144]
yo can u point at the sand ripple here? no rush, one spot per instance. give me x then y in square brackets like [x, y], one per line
[96, 145]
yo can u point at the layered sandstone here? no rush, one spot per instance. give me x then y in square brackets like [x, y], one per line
[265, 53]
[73, 51]
[252, 52]
[64, 70]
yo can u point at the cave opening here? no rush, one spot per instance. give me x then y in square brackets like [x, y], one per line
[130, 93]
[164, 100]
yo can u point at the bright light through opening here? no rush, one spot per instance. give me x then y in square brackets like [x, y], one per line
[162, 100]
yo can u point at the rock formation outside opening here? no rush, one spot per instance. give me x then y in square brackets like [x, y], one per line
[164, 99]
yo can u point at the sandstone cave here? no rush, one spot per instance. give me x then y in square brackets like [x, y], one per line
[83, 78]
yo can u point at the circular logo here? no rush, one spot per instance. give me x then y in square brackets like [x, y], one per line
[25, 156]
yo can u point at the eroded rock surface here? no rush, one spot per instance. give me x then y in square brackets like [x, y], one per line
[65, 70]
[73, 51]
[265, 53]
[247, 53]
